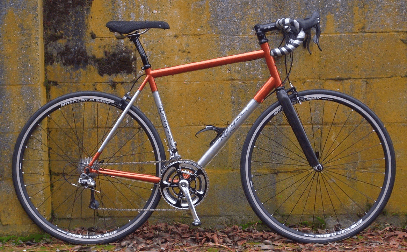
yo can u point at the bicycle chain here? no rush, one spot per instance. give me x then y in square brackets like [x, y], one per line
[146, 162]
[140, 209]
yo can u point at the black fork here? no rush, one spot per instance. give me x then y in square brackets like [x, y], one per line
[298, 129]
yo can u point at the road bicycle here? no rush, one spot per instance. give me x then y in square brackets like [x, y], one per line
[316, 166]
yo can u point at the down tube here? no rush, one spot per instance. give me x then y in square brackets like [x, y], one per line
[237, 122]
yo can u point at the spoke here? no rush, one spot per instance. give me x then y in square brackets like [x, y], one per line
[343, 126]
[292, 185]
[120, 192]
[347, 195]
[121, 181]
[299, 198]
[114, 157]
[367, 168]
[338, 198]
[128, 154]
[78, 142]
[329, 131]
[346, 137]
[351, 154]
[63, 142]
[127, 138]
[105, 198]
[284, 147]
[67, 198]
[295, 190]
[329, 196]
[73, 204]
[315, 199]
[350, 146]
[64, 156]
[108, 126]
[260, 172]
[48, 186]
[281, 155]
[276, 182]
[354, 179]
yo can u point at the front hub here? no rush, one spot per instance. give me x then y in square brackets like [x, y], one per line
[318, 168]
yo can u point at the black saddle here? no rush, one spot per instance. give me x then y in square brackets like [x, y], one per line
[126, 27]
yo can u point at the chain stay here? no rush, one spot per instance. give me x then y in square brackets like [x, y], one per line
[140, 209]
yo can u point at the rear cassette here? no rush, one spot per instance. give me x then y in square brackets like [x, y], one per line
[183, 170]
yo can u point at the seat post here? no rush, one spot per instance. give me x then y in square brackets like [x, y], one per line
[135, 39]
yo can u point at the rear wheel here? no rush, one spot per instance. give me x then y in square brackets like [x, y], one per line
[55, 146]
[302, 203]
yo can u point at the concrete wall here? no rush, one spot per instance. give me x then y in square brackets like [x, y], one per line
[52, 47]
[21, 93]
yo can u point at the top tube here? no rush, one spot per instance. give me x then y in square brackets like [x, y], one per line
[248, 56]
[208, 64]
[264, 53]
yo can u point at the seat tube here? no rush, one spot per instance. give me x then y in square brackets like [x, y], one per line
[298, 129]
[172, 145]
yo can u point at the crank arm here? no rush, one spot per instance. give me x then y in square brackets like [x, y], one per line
[184, 186]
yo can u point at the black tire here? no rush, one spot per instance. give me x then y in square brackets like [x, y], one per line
[51, 151]
[301, 203]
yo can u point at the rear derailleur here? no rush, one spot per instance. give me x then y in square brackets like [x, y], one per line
[87, 181]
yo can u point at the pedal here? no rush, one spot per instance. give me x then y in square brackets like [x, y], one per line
[218, 131]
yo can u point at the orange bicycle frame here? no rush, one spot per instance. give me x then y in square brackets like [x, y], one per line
[273, 82]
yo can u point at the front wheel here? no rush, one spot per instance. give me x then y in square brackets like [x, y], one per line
[55, 146]
[307, 205]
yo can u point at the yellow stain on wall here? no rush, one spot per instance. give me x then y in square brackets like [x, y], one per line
[10, 34]
[329, 27]
[358, 19]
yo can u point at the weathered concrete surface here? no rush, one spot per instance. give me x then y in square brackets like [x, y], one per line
[49, 48]
[21, 92]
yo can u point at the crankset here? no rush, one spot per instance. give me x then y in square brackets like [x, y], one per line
[184, 184]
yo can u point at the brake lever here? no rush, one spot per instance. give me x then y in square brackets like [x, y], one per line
[315, 39]
[317, 35]
[307, 40]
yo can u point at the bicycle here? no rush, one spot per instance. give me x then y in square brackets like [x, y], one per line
[316, 166]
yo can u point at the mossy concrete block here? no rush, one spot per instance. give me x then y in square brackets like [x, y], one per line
[20, 44]
[17, 104]
[7, 141]
[11, 212]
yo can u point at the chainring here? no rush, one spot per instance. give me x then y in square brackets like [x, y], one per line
[183, 170]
